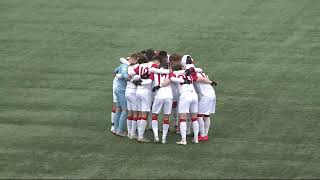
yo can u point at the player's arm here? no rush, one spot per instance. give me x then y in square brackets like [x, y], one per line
[119, 76]
[159, 71]
[116, 70]
[180, 72]
[176, 80]
[146, 82]
[198, 70]
[124, 73]
[205, 81]
[202, 80]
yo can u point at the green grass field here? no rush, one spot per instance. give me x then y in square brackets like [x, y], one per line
[56, 62]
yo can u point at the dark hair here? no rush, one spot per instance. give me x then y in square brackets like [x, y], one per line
[162, 53]
[164, 66]
[189, 60]
[158, 58]
[149, 53]
[142, 59]
[177, 67]
[175, 58]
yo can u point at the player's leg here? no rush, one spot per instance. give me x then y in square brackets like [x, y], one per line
[184, 108]
[130, 112]
[167, 108]
[156, 109]
[113, 113]
[194, 118]
[135, 108]
[174, 116]
[201, 126]
[145, 109]
[207, 121]
[124, 113]
[134, 125]
[116, 119]
[114, 107]
[189, 124]
[204, 108]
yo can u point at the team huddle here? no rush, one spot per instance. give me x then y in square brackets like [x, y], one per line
[152, 82]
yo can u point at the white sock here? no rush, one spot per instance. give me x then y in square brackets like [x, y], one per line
[134, 128]
[165, 131]
[155, 128]
[142, 128]
[206, 125]
[195, 127]
[183, 131]
[201, 126]
[112, 117]
[129, 126]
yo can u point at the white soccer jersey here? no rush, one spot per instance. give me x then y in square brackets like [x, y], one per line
[204, 89]
[179, 78]
[144, 69]
[163, 92]
[131, 71]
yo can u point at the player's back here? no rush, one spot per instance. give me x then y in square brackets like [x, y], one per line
[184, 87]
[204, 89]
[164, 92]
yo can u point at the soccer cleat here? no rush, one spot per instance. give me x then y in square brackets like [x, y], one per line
[112, 128]
[122, 134]
[164, 141]
[195, 141]
[205, 138]
[182, 143]
[133, 136]
[143, 140]
[200, 138]
[156, 140]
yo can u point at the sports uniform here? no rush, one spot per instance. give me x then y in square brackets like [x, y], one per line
[188, 103]
[207, 106]
[207, 97]
[120, 93]
[144, 96]
[163, 100]
[132, 104]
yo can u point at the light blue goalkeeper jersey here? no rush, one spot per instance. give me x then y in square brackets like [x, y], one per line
[122, 82]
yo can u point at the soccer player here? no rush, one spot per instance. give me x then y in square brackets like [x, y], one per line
[174, 60]
[188, 100]
[144, 95]
[121, 116]
[163, 100]
[131, 98]
[207, 105]
[114, 106]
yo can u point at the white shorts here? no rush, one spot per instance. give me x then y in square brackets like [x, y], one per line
[144, 100]
[131, 98]
[188, 102]
[207, 105]
[158, 104]
[114, 85]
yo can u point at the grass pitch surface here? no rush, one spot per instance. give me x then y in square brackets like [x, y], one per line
[56, 62]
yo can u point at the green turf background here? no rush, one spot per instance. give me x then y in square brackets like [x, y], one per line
[56, 59]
